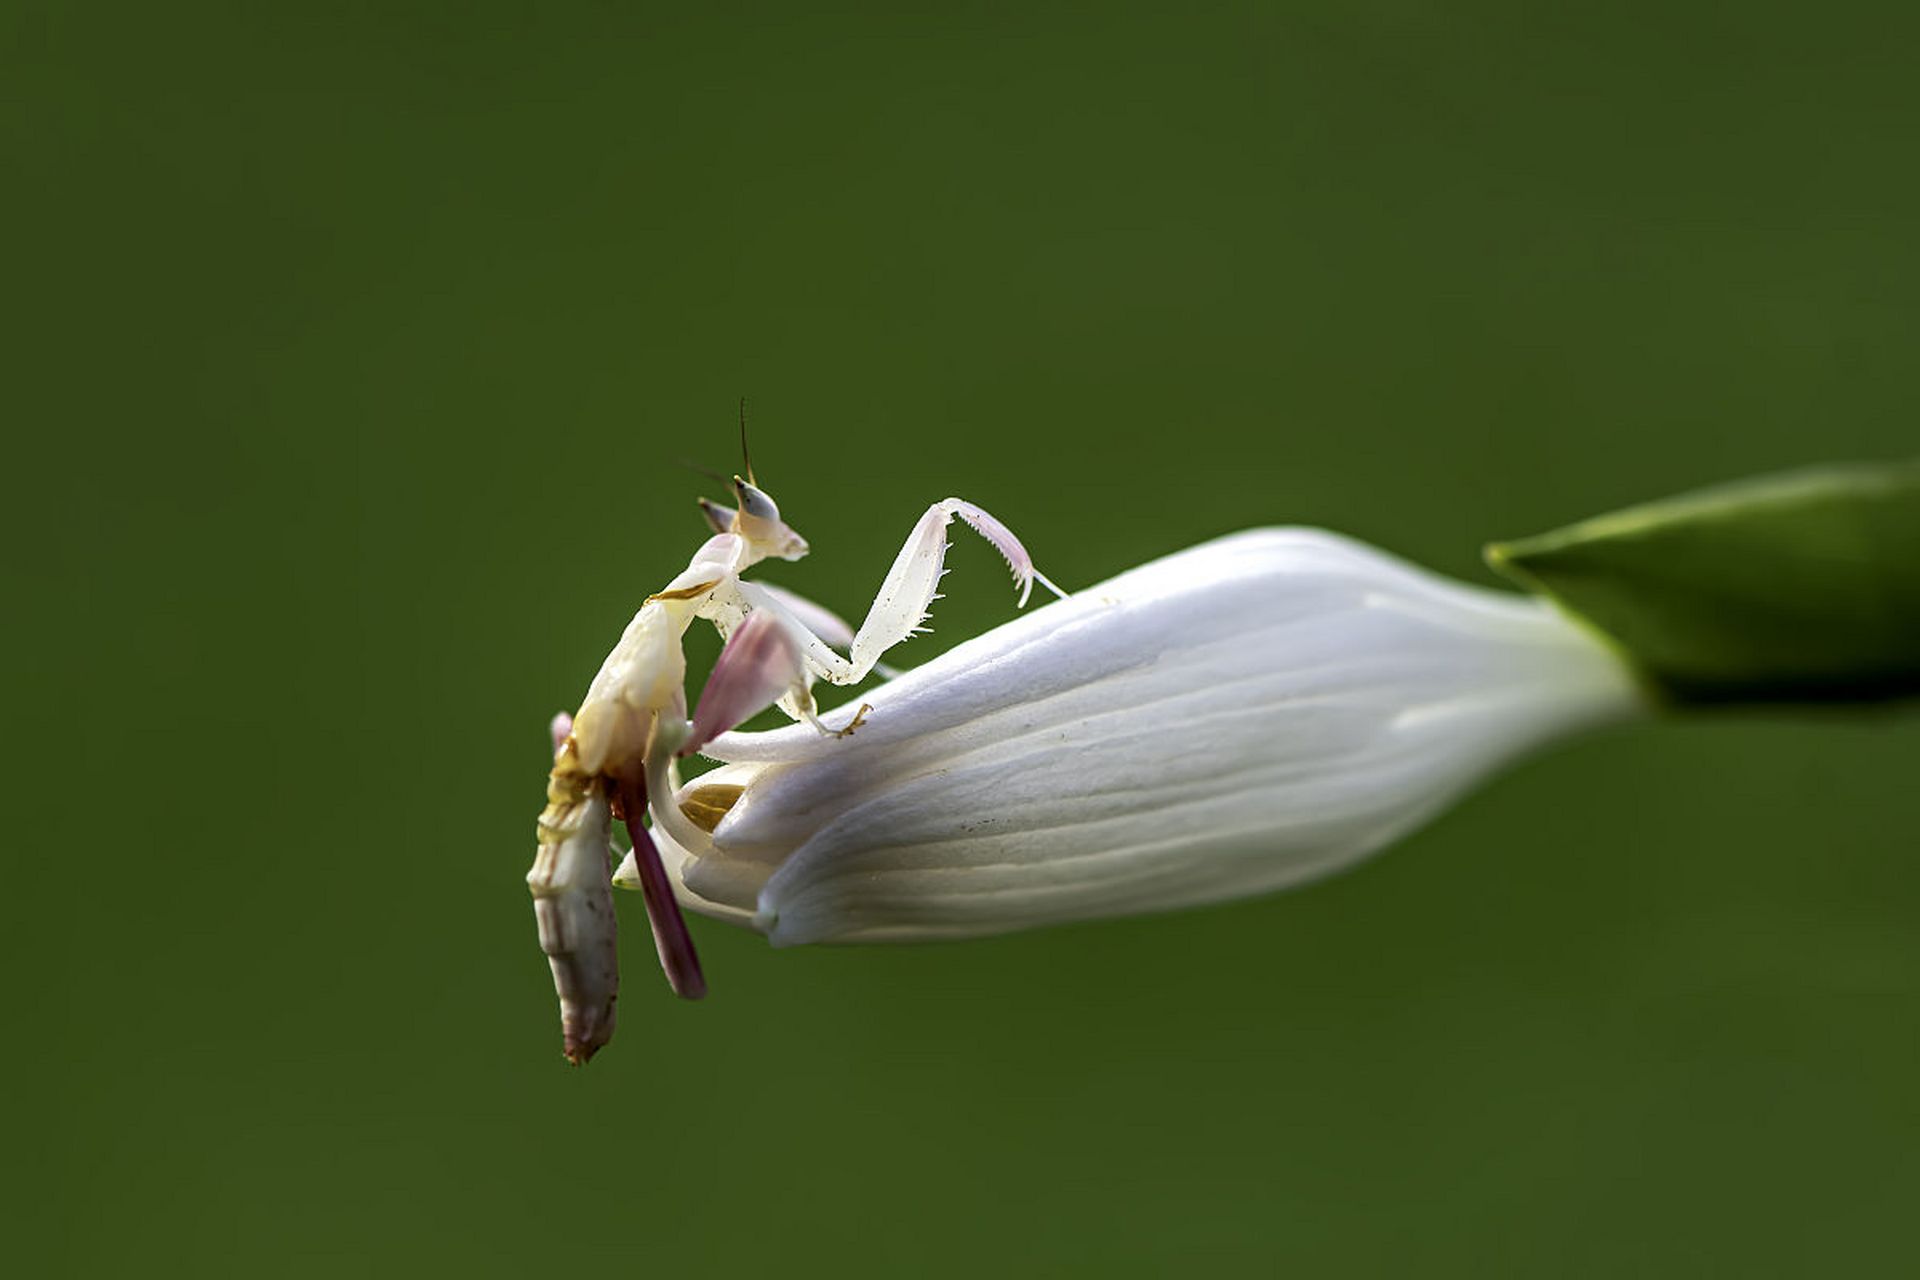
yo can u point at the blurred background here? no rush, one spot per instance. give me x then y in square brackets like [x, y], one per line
[355, 350]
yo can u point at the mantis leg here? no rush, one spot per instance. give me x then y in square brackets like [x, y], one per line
[812, 658]
[823, 622]
[759, 665]
[778, 643]
[909, 587]
[826, 625]
[671, 941]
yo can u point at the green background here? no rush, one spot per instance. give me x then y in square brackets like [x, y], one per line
[354, 348]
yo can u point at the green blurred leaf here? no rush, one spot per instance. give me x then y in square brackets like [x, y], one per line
[1802, 587]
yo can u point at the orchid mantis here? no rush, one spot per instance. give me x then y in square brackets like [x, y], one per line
[619, 748]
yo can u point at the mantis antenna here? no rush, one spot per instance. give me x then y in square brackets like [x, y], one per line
[708, 472]
[746, 457]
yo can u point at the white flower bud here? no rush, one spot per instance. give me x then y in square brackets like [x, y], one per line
[1228, 721]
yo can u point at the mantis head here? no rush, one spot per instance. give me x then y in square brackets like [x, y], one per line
[757, 520]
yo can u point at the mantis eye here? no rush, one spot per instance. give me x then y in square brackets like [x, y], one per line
[719, 518]
[754, 504]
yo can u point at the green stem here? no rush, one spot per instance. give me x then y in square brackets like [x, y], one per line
[1796, 588]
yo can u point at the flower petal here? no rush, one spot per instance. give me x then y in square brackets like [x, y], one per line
[1230, 720]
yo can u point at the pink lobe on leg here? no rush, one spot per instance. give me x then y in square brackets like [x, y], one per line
[760, 662]
[561, 728]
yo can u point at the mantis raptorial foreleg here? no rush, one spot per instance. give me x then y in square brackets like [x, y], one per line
[897, 611]
[826, 625]
[910, 585]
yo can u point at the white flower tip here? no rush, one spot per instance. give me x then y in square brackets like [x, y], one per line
[766, 922]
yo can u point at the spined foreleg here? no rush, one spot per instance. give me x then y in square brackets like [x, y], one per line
[910, 586]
